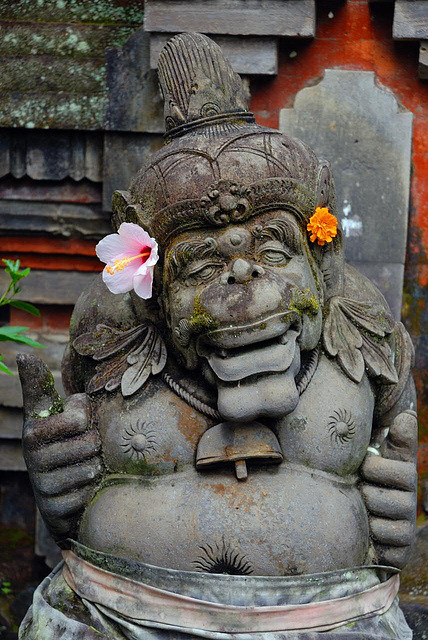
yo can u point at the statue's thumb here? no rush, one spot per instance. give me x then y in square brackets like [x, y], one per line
[402, 440]
[38, 390]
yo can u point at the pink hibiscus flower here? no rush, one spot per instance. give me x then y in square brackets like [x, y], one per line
[130, 256]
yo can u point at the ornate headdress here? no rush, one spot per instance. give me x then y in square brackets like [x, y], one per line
[219, 166]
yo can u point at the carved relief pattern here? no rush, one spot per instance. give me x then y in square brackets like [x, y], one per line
[126, 358]
[221, 558]
[356, 334]
[139, 440]
[341, 426]
[220, 207]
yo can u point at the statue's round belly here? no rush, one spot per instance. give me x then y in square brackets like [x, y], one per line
[280, 521]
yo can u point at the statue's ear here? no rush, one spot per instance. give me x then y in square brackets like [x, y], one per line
[124, 210]
[330, 257]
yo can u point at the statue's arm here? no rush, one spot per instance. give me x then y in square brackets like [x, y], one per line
[390, 478]
[61, 449]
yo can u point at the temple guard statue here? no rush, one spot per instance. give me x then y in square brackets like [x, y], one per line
[236, 455]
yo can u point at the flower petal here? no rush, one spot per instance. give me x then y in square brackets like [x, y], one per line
[134, 233]
[109, 248]
[153, 258]
[143, 284]
[120, 281]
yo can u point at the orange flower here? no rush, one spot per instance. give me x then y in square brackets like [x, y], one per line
[322, 226]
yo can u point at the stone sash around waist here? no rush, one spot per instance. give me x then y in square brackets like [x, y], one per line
[149, 605]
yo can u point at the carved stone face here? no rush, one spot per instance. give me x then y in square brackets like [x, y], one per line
[242, 304]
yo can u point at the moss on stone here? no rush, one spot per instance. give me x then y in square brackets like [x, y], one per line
[201, 320]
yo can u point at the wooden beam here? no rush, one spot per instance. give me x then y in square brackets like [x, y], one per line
[248, 56]
[410, 20]
[292, 18]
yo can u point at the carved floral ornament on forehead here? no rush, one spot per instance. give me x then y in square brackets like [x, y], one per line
[131, 254]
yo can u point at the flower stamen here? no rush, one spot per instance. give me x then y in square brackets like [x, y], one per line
[119, 265]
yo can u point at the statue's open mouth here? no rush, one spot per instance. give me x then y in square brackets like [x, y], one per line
[266, 346]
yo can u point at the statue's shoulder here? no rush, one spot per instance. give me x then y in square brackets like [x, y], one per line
[359, 288]
[361, 334]
[111, 345]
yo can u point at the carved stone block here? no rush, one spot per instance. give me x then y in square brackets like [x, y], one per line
[359, 128]
[410, 20]
[133, 99]
[133, 149]
[249, 56]
[293, 18]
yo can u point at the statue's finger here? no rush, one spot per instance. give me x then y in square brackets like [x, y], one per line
[64, 506]
[397, 533]
[393, 473]
[402, 440]
[65, 479]
[389, 503]
[38, 389]
[74, 420]
[392, 556]
[64, 453]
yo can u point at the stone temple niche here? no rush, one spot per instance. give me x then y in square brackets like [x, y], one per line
[236, 452]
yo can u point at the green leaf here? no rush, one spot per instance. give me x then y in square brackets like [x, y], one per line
[12, 265]
[4, 368]
[14, 334]
[25, 306]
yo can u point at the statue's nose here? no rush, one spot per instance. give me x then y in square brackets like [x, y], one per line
[243, 270]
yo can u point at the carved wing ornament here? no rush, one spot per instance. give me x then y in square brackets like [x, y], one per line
[356, 334]
[126, 358]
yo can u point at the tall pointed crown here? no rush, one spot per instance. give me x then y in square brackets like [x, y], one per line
[199, 85]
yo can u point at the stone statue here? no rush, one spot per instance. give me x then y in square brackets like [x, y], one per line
[236, 458]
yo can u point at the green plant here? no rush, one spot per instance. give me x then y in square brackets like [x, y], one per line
[15, 334]
[5, 588]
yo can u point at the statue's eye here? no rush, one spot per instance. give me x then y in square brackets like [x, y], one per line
[275, 256]
[202, 273]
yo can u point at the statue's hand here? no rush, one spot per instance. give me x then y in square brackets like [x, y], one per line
[60, 448]
[389, 491]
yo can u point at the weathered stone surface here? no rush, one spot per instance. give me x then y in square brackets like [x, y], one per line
[133, 99]
[389, 278]
[414, 578]
[74, 41]
[11, 458]
[133, 149]
[410, 20]
[417, 618]
[10, 423]
[98, 11]
[293, 18]
[45, 545]
[52, 287]
[57, 218]
[52, 57]
[53, 110]
[249, 56]
[423, 60]
[51, 155]
[358, 127]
